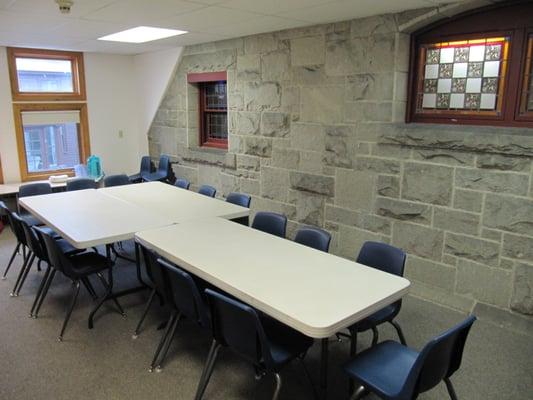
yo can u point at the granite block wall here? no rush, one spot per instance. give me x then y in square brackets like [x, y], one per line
[317, 133]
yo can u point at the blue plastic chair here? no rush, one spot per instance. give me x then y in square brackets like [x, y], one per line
[80, 184]
[163, 172]
[207, 190]
[313, 237]
[396, 372]
[389, 259]
[147, 167]
[269, 222]
[182, 183]
[265, 343]
[239, 199]
[116, 180]
[34, 189]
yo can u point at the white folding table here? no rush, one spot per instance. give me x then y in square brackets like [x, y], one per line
[176, 204]
[316, 293]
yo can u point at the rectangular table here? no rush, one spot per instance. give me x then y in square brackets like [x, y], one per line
[316, 293]
[176, 204]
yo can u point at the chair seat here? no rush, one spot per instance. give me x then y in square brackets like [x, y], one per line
[89, 263]
[155, 176]
[385, 314]
[135, 178]
[383, 368]
[67, 248]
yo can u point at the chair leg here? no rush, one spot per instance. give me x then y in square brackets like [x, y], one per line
[208, 370]
[87, 283]
[169, 341]
[20, 275]
[353, 351]
[70, 309]
[451, 390]
[40, 290]
[162, 342]
[45, 292]
[358, 393]
[399, 331]
[375, 336]
[144, 314]
[278, 386]
[39, 265]
[28, 267]
[15, 252]
[109, 286]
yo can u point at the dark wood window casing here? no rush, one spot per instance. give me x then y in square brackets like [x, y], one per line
[212, 108]
[496, 86]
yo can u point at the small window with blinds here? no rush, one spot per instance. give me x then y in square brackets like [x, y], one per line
[51, 137]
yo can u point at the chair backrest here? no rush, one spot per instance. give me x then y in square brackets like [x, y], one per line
[239, 199]
[269, 222]
[81, 184]
[182, 183]
[16, 225]
[187, 298]
[34, 189]
[155, 273]
[116, 180]
[439, 359]
[313, 237]
[56, 257]
[164, 165]
[382, 256]
[32, 240]
[207, 190]
[237, 326]
[146, 165]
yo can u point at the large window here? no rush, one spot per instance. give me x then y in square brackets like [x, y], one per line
[212, 108]
[475, 69]
[52, 135]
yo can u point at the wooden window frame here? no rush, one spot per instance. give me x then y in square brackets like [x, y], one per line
[78, 75]
[506, 20]
[83, 136]
[523, 113]
[201, 79]
[1, 173]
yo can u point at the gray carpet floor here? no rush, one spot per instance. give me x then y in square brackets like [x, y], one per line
[106, 363]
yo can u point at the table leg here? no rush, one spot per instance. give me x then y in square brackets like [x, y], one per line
[138, 264]
[323, 391]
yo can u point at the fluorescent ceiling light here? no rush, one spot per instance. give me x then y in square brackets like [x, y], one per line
[142, 34]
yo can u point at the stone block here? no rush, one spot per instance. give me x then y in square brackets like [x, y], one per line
[388, 186]
[522, 297]
[249, 67]
[376, 25]
[309, 207]
[275, 66]
[430, 272]
[403, 210]
[374, 87]
[373, 54]
[350, 241]
[519, 247]
[244, 122]
[264, 43]
[491, 234]
[323, 104]
[369, 111]
[479, 250]
[311, 161]
[378, 165]
[262, 204]
[275, 124]
[285, 158]
[448, 157]
[499, 182]
[339, 142]
[450, 260]
[186, 172]
[374, 131]
[355, 189]
[248, 162]
[456, 221]
[312, 75]
[468, 200]
[508, 213]
[255, 146]
[441, 296]
[358, 219]
[391, 151]
[489, 285]
[503, 163]
[275, 183]
[418, 240]
[262, 96]
[427, 183]
[250, 186]
[228, 183]
[318, 184]
[308, 137]
[308, 50]
[339, 57]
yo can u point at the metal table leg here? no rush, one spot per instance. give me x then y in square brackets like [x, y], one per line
[323, 390]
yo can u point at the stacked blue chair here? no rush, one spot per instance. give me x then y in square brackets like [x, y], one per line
[395, 372]
[147, 167]
[163, 172]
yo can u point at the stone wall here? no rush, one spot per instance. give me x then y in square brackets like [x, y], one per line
[316, 133]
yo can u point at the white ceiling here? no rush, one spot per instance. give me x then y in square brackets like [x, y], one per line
[38, 23]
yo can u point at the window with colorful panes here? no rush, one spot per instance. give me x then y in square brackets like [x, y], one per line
[482, 77]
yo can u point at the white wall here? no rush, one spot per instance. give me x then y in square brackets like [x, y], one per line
[123, 94]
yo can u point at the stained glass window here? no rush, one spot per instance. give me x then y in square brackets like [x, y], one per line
[528, 78]
[466, 76]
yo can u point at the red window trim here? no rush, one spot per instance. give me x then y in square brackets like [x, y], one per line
[207, 77]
